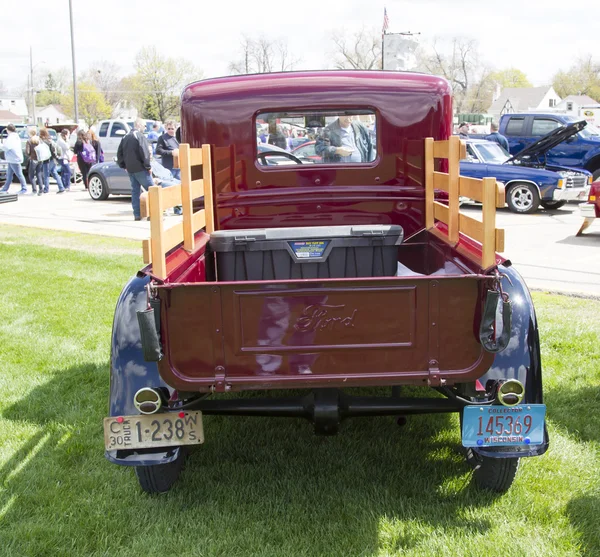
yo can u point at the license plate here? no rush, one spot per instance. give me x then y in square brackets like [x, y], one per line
[496, 426]
[153, 430]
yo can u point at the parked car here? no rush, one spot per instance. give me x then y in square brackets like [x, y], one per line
[527, 186]
[580, 149]
[590, 210]
[111, 132]
[107, 178]
[307, 151]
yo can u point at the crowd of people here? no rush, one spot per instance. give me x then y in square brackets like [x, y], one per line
[464, 131]
[69, 157]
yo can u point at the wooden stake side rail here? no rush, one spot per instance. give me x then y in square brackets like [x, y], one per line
[159, 199]
[486, 191]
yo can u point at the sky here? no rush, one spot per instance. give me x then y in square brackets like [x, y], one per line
[535, 36]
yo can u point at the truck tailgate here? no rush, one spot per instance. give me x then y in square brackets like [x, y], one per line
[237, 336]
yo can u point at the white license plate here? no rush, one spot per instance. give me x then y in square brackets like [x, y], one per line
[153, 430]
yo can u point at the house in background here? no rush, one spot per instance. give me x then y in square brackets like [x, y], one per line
[573, 103]
[124, 110]
[8, 117]
[51, 114]
[15, 105]
[524, 99]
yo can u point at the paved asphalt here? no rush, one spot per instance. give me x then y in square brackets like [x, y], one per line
[542, 246]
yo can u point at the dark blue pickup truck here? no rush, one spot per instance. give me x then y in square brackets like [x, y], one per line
[581, 150]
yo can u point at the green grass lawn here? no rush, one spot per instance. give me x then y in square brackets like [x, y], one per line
[264, 486]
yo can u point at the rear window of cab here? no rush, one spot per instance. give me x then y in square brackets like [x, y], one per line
[345, 137]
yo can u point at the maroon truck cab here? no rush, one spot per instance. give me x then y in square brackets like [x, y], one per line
[324, 273]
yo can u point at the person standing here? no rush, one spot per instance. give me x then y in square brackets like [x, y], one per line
[13, 153]
[34, 168]
[65, 159]
[95, 141]
[167, 146]
[463, 130]
[345, 140]
[49, 165]
[86, 155]
[134, 156]
[153, 136]
[497, 137]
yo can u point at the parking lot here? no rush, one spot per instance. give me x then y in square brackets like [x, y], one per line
[542, 246]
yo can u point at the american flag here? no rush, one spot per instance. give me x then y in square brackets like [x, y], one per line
[386, 21]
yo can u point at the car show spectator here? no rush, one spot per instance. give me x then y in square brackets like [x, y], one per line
[153, 136]
[86, 155]
[497, 137]
[13, 153]
[345, 140]
[95, 141]
[167, 146]
[49, 166]
[463, 130]
[65, 158]
[276, 136]
[134, 156]
[35, 169]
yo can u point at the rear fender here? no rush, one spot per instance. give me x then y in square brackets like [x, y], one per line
[520, 359]
[129, 372]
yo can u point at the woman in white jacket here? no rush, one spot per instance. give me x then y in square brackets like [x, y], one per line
[65, 161]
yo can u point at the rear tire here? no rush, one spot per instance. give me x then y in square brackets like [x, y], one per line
[97, 187]
[160, 478]
[551, 205]
[493, 474]
[596, 175]
[522, 198]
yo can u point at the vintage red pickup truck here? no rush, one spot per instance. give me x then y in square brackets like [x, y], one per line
[312, 277]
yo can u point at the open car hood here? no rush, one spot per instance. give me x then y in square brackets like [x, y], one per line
[549, 141]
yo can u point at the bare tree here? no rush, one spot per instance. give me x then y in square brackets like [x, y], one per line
[105, 76]
[459, 64]
[263, 55]
[362, 51]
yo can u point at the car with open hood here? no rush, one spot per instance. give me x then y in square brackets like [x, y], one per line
[529, 181]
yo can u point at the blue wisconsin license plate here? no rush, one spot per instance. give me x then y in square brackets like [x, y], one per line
[496, 426]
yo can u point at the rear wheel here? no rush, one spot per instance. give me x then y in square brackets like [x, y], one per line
[160, 478]
[552, 204]
[97, 188]
[523, 198]
[493, 474]
[596, 175]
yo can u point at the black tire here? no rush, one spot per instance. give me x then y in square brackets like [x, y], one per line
[596, 174]
[160, 478]
[493, 474]
[97, 187]
[551, 205]
[523, 198]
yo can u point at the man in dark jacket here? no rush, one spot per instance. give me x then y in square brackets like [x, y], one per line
[167, 146]
[134, 156]
[345, 140]
[497, 137]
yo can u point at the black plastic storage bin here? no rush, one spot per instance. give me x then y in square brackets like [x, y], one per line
[308, 252]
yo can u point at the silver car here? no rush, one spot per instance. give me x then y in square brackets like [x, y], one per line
[106, 178]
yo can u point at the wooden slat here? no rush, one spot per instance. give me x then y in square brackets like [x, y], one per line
[186, 196]
[499, 239]
[440, 211]
[222, 177]
[157, 232]
[429, 185]
[208, 190]
[147, 257]
[463, 150]
[441, 181]
[489, 222]
[199, 219]
[471, 227]
[221, 154]
[197, 188]
[171, 196]
[440, 149]
[196, 157]
[453, 173]
[471, 188]
[500, 196]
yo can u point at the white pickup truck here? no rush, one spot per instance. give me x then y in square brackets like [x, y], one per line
[111, 132]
